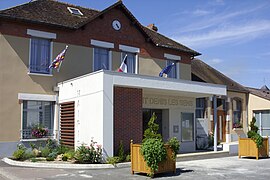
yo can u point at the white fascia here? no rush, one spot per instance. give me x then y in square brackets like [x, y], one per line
[41, 34]
[172, 57]
[102, 44]
[36, 97]
[129, 49]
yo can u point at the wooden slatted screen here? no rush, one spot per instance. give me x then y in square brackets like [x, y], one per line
[67, 122]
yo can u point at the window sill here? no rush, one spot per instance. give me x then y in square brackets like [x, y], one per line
[37, 139]
[39, 74]
[237, 129]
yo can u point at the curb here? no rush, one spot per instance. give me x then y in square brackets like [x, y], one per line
[64, 166]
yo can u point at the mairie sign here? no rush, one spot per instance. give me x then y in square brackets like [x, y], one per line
[166, 101]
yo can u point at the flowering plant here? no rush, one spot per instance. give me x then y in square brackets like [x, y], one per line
[237, 124]
[39, 131]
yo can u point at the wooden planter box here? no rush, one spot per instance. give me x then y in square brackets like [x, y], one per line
[139, 165]
[247, 147]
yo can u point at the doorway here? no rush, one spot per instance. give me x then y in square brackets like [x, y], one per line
[221, 125]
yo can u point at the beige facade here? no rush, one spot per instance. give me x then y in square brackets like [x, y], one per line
[256, 103]
[15, 77]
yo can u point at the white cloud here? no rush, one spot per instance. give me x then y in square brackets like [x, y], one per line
[218, 19]
[201, 12]
[214, 61]
[241, 32]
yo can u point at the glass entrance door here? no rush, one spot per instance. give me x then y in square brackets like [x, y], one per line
[147, 113]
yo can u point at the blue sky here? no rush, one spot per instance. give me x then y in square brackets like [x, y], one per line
[232, 35]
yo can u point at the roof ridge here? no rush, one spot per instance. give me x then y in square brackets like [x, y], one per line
[73, 5]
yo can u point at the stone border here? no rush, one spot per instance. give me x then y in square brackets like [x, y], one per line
[63, 165]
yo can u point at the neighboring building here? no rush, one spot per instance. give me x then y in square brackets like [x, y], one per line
[86, 99]
[232, 108]
[259, 107]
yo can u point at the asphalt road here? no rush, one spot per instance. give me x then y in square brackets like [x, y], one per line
[210, 169]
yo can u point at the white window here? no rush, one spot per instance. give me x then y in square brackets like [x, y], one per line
[101, 58]
[75, 11]
[40, 55]
[37, 119]
[173, 72]
[131, 61]
[263, 122]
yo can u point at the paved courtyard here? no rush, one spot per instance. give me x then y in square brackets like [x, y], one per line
[218, 168]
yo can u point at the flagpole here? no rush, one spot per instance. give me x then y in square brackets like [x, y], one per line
[61, 62]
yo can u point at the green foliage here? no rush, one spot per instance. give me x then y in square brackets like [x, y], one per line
[69, 155]
[152, 130]
[121, 152]
[19, 153]
[113, 160]
[252, 125]
[45, 152]
[62, 149]
[153, 151]
[128, 158]
[174, 145]
[51, 156]
[258, 139]
[32, 145]
[51, 144]
[253, 133]
[90, 154]
[64, 157]
[36, 159]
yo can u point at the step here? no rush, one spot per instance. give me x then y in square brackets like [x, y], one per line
[201, 155]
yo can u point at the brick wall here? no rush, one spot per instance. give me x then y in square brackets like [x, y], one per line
[128, 122]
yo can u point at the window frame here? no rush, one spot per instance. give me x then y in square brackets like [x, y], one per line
[123, 53]
[176, 68]
[109, 58]
[30, 57]
[52, 115]
[236, 111]
[39, 97]
[44, 35]
[193, 126]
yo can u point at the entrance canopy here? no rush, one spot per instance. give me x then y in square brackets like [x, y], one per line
[94, 98]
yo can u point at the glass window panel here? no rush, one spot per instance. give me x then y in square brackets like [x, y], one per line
[200, 107]
[266, 132]
[173, 72]
[265, 119]
[131, 61]
[101, 59]
[187, 127]
[37, 113]
[257, 116]
[40, 56]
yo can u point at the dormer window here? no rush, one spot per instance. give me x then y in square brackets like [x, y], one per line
[75, 11]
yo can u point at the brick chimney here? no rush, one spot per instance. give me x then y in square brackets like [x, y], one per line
[153, 27]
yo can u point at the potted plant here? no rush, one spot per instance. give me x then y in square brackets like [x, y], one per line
[39, 131]
[255, 145]
[153, 156]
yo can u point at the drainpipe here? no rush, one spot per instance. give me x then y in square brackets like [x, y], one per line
[215, 122]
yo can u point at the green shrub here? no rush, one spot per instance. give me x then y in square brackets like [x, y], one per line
[128, 158]
[45, 152]
[19, 153]
[253, 133]
[152, 130]
[175, 145]
[64, 157]
[89, 154]
[153, 151]
[62, 149]
[113, 160]
[51, 156]
[121, 152]
[70, 154]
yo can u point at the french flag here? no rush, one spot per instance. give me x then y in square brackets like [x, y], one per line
[123, 66]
